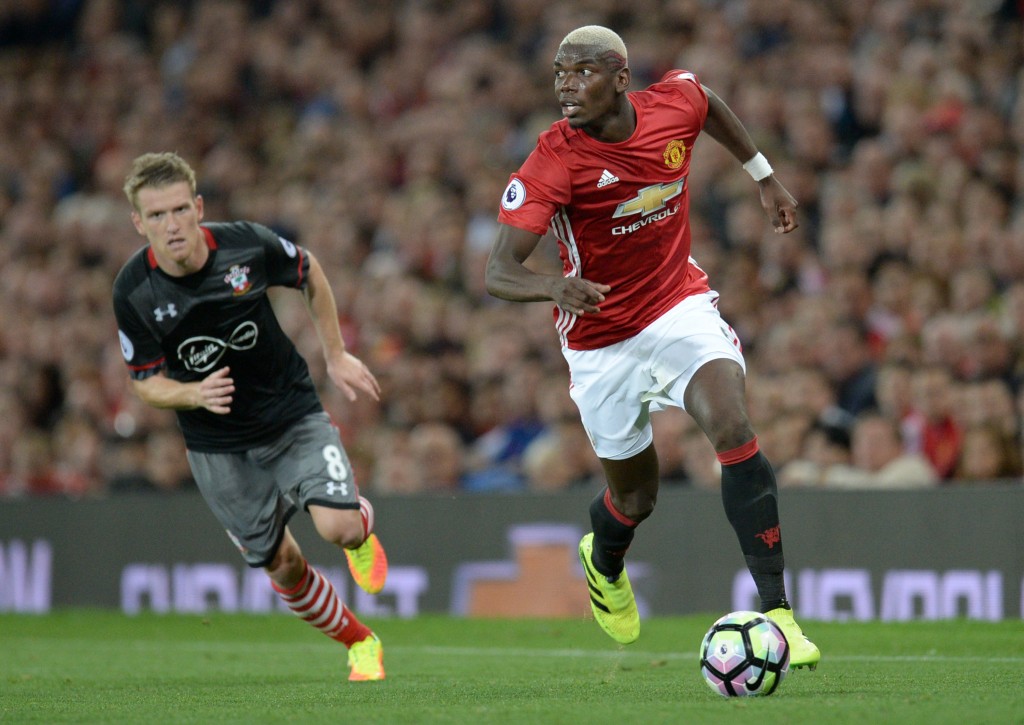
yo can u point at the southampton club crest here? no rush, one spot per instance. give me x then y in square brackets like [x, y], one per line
[238, 278]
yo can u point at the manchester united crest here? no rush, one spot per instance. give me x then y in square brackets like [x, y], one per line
[674, 154]
[238, 278]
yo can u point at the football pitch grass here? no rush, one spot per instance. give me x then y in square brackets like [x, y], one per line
[104, 667]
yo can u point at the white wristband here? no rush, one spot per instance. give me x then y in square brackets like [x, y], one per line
[758, 167]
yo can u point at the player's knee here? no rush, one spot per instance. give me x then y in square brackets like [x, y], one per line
[637, 506]
[731, 435]
[344, 528]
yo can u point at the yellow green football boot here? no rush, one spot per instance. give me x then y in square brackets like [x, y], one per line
[612, 602]
[802, 651]
[368, 564]
[366, 660]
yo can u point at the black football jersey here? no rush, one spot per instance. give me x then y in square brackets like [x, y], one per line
[188, 327]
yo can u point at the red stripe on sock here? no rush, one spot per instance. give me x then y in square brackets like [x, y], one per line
[622, 519]
[314, 593]
[366, 514]
[297, 589]
[318, 604]
[738, 455]
[327, 613]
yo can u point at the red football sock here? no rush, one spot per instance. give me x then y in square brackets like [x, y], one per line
[315, 600]
[366, 512]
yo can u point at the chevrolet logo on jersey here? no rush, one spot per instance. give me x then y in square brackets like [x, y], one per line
[650, 199]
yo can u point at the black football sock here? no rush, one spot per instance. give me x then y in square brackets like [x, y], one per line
[613, 533]
[750, 493]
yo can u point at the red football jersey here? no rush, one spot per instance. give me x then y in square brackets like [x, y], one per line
[620, 211]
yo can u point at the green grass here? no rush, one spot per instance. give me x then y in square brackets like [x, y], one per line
[91, 666]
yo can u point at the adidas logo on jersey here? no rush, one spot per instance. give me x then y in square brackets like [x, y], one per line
[607, 177]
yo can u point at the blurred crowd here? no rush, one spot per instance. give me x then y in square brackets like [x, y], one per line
[884, 338]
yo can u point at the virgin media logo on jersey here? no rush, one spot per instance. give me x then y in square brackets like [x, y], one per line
[201, 354]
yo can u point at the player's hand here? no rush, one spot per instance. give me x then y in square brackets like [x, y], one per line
[577, 295]
[350, 374]
[779, 205]
[216, 391]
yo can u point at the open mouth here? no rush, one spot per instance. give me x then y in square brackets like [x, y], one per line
[569, 109]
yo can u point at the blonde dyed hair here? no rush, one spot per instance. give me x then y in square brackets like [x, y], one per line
[157, 169]
[598, 36]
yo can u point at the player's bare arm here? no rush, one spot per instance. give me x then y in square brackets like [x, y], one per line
[722, 125]
[214, 392]
[346, 371]
[508, 278]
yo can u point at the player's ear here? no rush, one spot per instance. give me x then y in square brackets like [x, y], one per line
[137, 221]
[622, 79]
[199, 207]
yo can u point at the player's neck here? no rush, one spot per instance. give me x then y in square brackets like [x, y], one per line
[617, 127]
[192, 264]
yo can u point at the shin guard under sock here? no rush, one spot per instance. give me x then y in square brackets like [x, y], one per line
[750, 497]
[613, 533]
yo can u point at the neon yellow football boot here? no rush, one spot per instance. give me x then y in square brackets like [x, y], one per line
[366, 660]
[368, 564]
[802, 651]
[612, 602]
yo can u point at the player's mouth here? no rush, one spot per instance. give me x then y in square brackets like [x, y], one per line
[570, 109]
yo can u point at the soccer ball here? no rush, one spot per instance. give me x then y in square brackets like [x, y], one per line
[744, 654]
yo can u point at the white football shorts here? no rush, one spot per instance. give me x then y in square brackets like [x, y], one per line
[617, 387]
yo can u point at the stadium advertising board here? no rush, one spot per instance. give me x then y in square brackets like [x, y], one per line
[850, 555]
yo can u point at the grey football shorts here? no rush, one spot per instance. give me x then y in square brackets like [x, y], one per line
[255, 492]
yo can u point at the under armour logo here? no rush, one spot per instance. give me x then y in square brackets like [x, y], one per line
[162, 312]
[333, 488]
[200, 354]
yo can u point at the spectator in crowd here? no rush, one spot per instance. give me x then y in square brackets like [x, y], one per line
[560, 459]
[825, 456]
[560, 456]
[892, 390]
[931, 426]
[438, 456]
[878, 458]
[987, 402]
[30, 472]
[987, 454]
[846, 358]
[496, 455]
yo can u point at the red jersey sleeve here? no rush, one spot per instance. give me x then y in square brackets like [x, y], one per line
[689, 89]
[535, 192]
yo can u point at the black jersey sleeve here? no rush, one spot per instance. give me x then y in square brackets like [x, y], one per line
[141, 350]
[287, 262]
